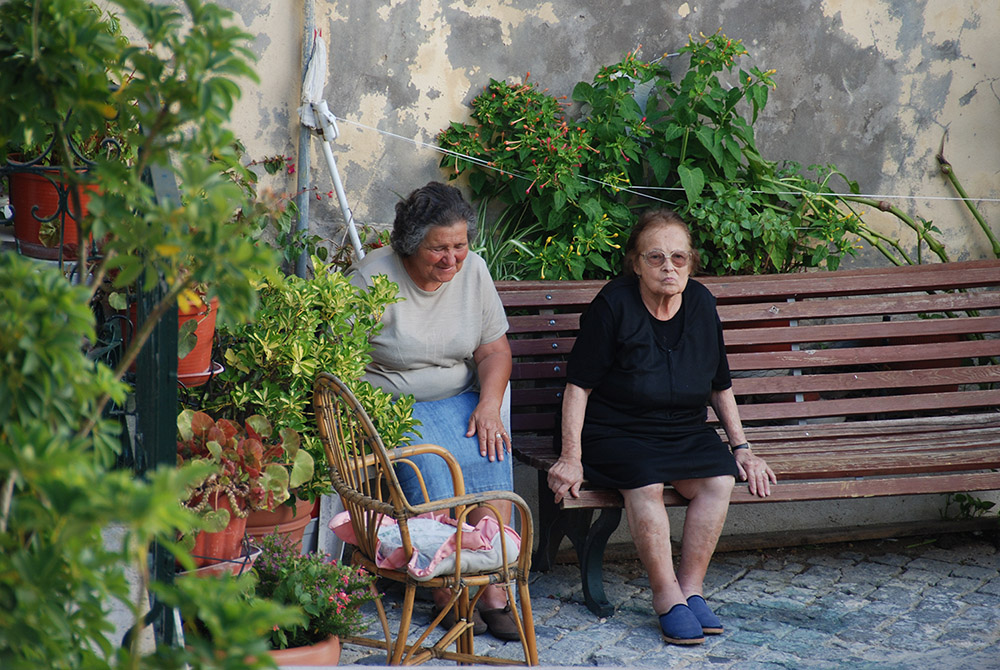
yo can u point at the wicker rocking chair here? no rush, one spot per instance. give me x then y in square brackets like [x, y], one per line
[362, 472]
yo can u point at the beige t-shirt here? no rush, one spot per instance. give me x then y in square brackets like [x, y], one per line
[427, 340]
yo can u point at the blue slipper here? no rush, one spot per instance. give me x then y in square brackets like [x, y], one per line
[681, 626]
[710, 624]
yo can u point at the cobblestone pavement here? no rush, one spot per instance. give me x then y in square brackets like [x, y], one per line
[906, 603]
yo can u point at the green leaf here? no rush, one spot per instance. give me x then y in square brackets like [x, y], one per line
[187, 340]
[583, 92]
[693, 181]
[558, 200]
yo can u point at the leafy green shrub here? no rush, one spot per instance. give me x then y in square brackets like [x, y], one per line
[58, 489]
[58, 575]
[572, 185]
[329, 593]
[303, 327]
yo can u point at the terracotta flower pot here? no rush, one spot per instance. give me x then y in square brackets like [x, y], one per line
[196, 367]
[199, 360]
[321, 653]
[225, 545]
[36, 199]
[238, 566]
[290, 521]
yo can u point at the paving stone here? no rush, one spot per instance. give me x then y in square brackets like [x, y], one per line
[854, 589]
[906, 635]
[974, 572]
[870, 573]
[956, 587]
[570, 650]
[897, 560]
[977, 550]
[617, 656]
[829, 561]
[920, 576]
[941, 567]
[816, 577]
[547, 635]
[992, 587]
[900, 593]
[853, 556]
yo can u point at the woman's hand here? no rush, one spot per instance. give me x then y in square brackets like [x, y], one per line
[493, 363]
[565, 478]
[493, 437]
[755, 472]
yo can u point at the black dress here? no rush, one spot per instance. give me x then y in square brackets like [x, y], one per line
[651, 381]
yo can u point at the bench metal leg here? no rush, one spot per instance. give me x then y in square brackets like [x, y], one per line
[592, 561]
[589, 538]
[552, 527]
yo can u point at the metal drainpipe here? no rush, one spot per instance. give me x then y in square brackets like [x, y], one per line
[302, 183]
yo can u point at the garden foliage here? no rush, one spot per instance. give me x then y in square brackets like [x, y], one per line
[328, 593]
[568, 188]
[304, 326]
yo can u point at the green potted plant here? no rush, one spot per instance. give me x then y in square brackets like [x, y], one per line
[329, 593]
[48, 157]
[248, 473]
[303, 326]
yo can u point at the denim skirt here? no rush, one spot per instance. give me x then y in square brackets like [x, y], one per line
[444, 422]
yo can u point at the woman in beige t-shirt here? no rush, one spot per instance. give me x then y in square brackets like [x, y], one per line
[445, 343]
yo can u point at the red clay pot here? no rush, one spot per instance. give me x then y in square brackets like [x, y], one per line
[225, 545]
[35, 198]
[319, 654]
[199, 360]
[290, 521]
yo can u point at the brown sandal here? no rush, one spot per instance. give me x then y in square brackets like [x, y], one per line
[501, 624]
[478, 625]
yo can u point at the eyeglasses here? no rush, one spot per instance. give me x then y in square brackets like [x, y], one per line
[656, 258]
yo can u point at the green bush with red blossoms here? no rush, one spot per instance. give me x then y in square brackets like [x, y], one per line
[567, 189]
[329, 593]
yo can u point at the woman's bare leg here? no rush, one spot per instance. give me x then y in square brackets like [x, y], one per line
[706, 515]
[650, 526]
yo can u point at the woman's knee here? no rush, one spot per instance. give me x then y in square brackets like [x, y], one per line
[651, 493]
[710, 487]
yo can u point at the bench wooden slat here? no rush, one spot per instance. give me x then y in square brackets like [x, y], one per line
[919, 426]
[847, 356]
[543, 323]
[967, 274]
[869, 406]
[801, 491]
[953, 276]
[872, 330]
[854, 307]
[865, 381]
[542, 346]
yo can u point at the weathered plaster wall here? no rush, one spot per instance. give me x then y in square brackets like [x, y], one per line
[869, 86]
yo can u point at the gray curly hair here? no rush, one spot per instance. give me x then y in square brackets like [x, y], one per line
[435, 204]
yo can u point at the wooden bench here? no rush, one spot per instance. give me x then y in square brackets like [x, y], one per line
[851, 384]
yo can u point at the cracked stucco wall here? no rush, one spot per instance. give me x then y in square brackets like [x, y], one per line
[871, 87]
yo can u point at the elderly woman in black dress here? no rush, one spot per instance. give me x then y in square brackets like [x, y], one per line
[648, 359]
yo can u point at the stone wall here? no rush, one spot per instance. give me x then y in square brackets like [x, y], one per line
[871, 87]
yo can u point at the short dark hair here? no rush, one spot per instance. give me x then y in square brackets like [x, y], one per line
[648, 219]
[435, 204]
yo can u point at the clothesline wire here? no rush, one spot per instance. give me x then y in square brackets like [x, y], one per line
[485, 165]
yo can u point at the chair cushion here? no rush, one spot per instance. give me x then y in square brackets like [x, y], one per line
[434, 540]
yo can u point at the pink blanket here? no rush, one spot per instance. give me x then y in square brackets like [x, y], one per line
[433, 537]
